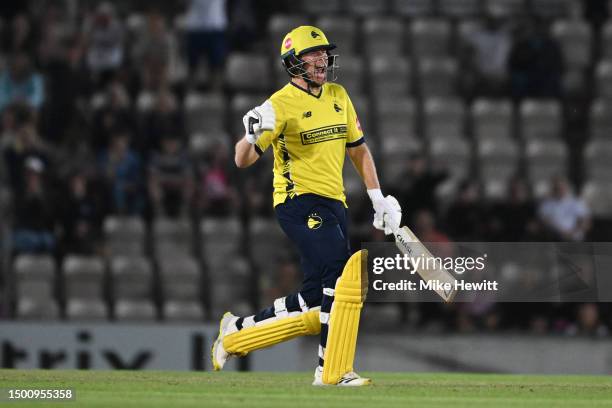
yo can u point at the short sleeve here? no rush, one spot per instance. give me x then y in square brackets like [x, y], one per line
[269, 136]
[354, 135]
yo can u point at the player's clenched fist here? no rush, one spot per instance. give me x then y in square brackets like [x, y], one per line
[387, 211]
[258, 120]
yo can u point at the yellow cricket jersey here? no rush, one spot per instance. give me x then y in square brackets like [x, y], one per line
[309, 141]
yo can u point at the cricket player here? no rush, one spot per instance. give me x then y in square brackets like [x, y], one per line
[310, 123]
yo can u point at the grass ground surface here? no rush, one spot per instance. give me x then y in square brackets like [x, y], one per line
[204, 389]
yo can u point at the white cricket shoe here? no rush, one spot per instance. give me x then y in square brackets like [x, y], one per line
[350, 379]
[227, 326]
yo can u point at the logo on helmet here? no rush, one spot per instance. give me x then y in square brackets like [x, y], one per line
[314, 34]
[288, 43]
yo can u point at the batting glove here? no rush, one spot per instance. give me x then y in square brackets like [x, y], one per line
[387, 212]
[258, 120]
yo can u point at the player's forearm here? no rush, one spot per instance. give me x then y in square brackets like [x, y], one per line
[245, 153]
[364, 163]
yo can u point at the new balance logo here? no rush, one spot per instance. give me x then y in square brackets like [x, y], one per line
[306, 114]
[337, 108]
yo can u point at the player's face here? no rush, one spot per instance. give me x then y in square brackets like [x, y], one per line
[315, 64]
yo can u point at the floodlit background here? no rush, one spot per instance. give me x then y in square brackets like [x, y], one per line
[490, 120]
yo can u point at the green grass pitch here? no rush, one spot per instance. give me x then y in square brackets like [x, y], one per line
[257, 389]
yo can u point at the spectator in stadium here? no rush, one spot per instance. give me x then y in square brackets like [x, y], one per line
[535, 62]
[514, 218]
[35, 214]
[217, 195]
[465, 216]
[564, 216]
[25, 144]
[153, 52]
[165, 118]
[19, 35]
[81, 216]
[68, 88]
[115, 113]
[206, 25]
[122, 168]
[170, 178]
[104, 36]
[417, 188]
[21, 83]
[487, 54]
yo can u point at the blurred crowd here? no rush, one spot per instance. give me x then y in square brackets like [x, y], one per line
[79, 141]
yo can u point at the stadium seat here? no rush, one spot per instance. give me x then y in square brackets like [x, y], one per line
[180, 278]
[465, 30]
[598, 196]
[491, 119]
[575, 40]
[606, 40]
[390, 77]
[132, 278]
[498, 158]
[37, 309]
[86, 310]
[265, 239]
[598, 160]
[34, 276]
[321, 7]
[33, 265]
[248, 73]
[240, 105]
[124, 235]
[221, 239]
[362, 107]
[444, 118]
[340, 30]
[603, 79]
[429, 37]
[351, 74]
[505, 8]
[540, 120]
[232, 283]
[495, 188]
[453, 154]
[183, 311]
[201, 143]
[396, 117]
[365, 7]
[545, 158]
[145, 101]
[412, 8]
[552, 9]
[83, 277]
[175, 231]
[135, 311]
[459, 9]
[437, 76]
[600, 119]
[382, 37]
[204, 112]
[280, 24]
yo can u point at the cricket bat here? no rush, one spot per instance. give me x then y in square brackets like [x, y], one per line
[409, 244]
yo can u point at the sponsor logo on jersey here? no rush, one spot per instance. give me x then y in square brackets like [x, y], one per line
[314, 221]
[323, 134]
[337, 108]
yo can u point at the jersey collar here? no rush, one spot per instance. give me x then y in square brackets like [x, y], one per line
[307, 90]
